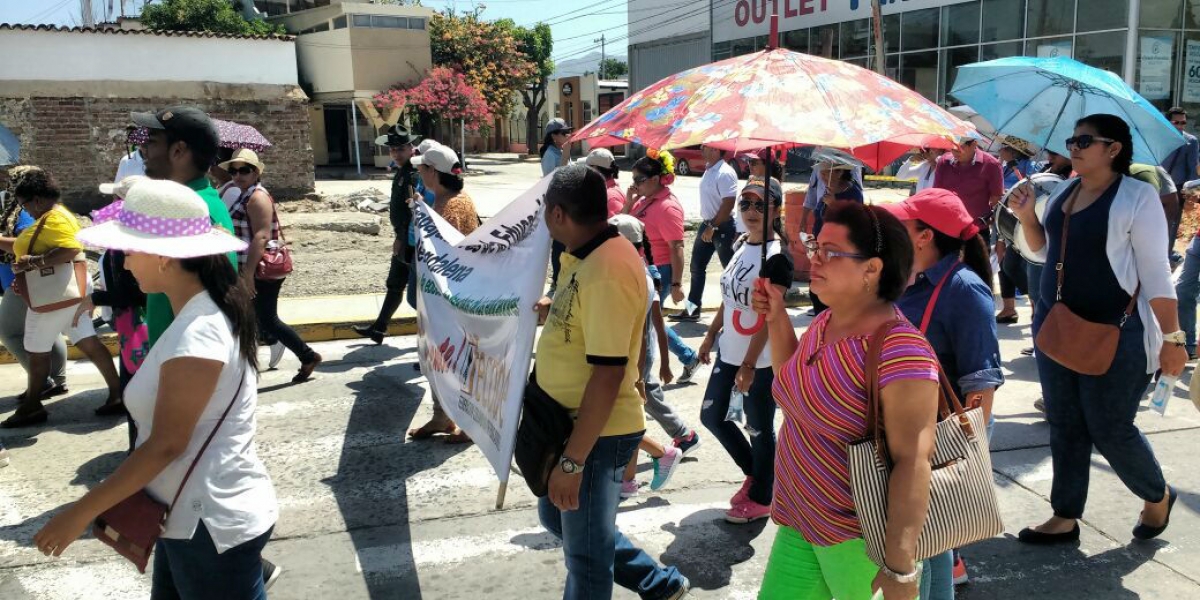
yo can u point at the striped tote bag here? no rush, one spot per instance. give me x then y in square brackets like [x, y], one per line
[962, 496]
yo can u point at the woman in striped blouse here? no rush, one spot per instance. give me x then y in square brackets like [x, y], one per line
[860, 266]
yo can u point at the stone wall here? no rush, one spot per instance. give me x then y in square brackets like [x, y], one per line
[80, 139]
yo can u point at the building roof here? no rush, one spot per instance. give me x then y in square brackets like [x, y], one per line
[116, 31]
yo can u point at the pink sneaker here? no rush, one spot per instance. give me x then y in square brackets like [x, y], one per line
[629, 489]
[747, 512]
[665, 467]
[743, 493]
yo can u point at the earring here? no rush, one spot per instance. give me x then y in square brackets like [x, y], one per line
[866, 284]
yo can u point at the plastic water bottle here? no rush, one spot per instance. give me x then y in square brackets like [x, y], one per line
[1162, 393]
[736, 412]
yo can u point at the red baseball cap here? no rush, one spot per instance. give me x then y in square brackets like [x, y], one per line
[941, 209]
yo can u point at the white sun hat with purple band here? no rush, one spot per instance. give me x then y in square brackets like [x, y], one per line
[163, 218]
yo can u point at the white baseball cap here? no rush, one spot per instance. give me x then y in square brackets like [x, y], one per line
[600, 157]
[425, 145]
[441, 158]
[630, 227]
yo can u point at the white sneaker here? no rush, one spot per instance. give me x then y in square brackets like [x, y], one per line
[276, 354]
[689, 371]
[271, 573]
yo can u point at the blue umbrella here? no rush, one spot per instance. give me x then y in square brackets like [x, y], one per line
[1039, 100]
[10, 147]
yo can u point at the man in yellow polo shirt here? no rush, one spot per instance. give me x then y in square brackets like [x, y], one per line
[587, 361]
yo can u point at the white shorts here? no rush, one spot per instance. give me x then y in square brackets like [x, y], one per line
[43, 329]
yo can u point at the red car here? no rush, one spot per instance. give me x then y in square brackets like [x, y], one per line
[689, 161]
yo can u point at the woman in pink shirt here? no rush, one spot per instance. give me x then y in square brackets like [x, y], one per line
[651, 201]
[603, 161]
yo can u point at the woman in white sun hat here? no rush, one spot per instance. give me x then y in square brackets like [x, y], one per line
[198, 381]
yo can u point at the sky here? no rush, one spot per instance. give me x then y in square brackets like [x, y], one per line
[575, 23]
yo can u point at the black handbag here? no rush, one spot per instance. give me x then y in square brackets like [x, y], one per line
[541, 437]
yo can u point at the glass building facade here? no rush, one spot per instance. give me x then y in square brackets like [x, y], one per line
[924, 47]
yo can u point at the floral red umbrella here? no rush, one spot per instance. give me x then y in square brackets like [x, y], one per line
[771, 98]
[232, 135]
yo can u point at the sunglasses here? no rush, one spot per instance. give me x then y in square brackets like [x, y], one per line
[246, 170]
[758, 205]
[1083, 142]
[825, 254]
[1179, 122]
[640, 179]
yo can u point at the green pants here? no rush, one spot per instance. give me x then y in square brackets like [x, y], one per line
[798, 570]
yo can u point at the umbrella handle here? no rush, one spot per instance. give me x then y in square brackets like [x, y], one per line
[742, 329]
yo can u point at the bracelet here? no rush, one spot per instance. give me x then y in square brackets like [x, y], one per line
[901, 577]
[676, 285]
[749, 366]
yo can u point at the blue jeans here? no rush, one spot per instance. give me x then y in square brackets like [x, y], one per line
[597, 553]
[675, 343]
[937, 577]
[756, 456]
[1085, 410]
[1186, 290]
[192, 569]
[702, 253]
[1033, 274]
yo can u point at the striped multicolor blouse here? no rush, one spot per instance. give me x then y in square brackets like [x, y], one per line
[821, 391]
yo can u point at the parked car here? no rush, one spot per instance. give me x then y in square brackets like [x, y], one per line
[689, 161]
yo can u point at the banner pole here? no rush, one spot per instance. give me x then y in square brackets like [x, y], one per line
[500, 494]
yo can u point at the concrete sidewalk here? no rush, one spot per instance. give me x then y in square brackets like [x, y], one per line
[328, 318]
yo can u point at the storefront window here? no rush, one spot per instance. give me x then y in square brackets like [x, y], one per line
[1163, 14]
[1050, 17]
[919, 71]
[796, 40]
[960, 24]
[919, 29]
[821, 36]
[1107, 51]
[1050, 47]
[721, 50]
[1003, 20]
[1098, 15]
[1189, 88]
[742, 46]
[856, 38]
[893, 67]
[1001, 50]
[1158, 62]
[951, 61]
[891, 32]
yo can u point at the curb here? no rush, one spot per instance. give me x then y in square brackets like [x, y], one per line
[341, 330]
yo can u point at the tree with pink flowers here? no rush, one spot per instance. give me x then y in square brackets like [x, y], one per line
[443, 94]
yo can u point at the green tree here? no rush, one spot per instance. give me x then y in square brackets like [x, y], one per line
[537, 44]
[217, 16]
[612, 68]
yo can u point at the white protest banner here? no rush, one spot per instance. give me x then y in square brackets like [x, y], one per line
[475, 318]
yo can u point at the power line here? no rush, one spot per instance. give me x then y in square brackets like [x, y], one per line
[592, 47]
[47, 12]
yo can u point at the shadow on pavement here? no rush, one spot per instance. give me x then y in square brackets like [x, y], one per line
[706, 547]
[386, 399]
[1016, 570]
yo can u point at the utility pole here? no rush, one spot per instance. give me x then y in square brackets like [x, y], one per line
[880, 50]
[603, 54]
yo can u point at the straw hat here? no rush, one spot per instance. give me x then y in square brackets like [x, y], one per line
[244, 155]
[164, 218]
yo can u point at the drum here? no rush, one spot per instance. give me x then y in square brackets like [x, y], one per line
[1009, 226]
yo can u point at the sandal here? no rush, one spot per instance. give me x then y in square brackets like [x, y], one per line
[457, 437]
[1007, 319]
[306, 369]
[36, 417]
[430, 429]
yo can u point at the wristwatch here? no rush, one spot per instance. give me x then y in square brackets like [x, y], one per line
[570, 467]
[1177, 338]
[901, 577]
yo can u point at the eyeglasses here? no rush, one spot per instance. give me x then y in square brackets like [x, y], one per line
[246, 170]
[758, 205]
[1083, 142]
[825, 254]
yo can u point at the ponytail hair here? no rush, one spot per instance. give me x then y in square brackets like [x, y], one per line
[974, 251]
[229, 293]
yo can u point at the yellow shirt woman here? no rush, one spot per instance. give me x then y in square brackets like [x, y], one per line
[58, 232]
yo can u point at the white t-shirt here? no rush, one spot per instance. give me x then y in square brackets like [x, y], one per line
[230, 488]
[919, 169]
[737, 286]
[131, 164]
[230, 193]
[719, 181]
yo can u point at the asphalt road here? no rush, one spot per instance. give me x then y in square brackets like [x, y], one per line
[365, 514]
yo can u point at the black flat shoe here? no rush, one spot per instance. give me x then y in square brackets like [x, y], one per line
[110, 409]
[1146, 532]
[19, 420]
[369, 332]
[1034, 537]
[57, 389]
[1007, 320]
